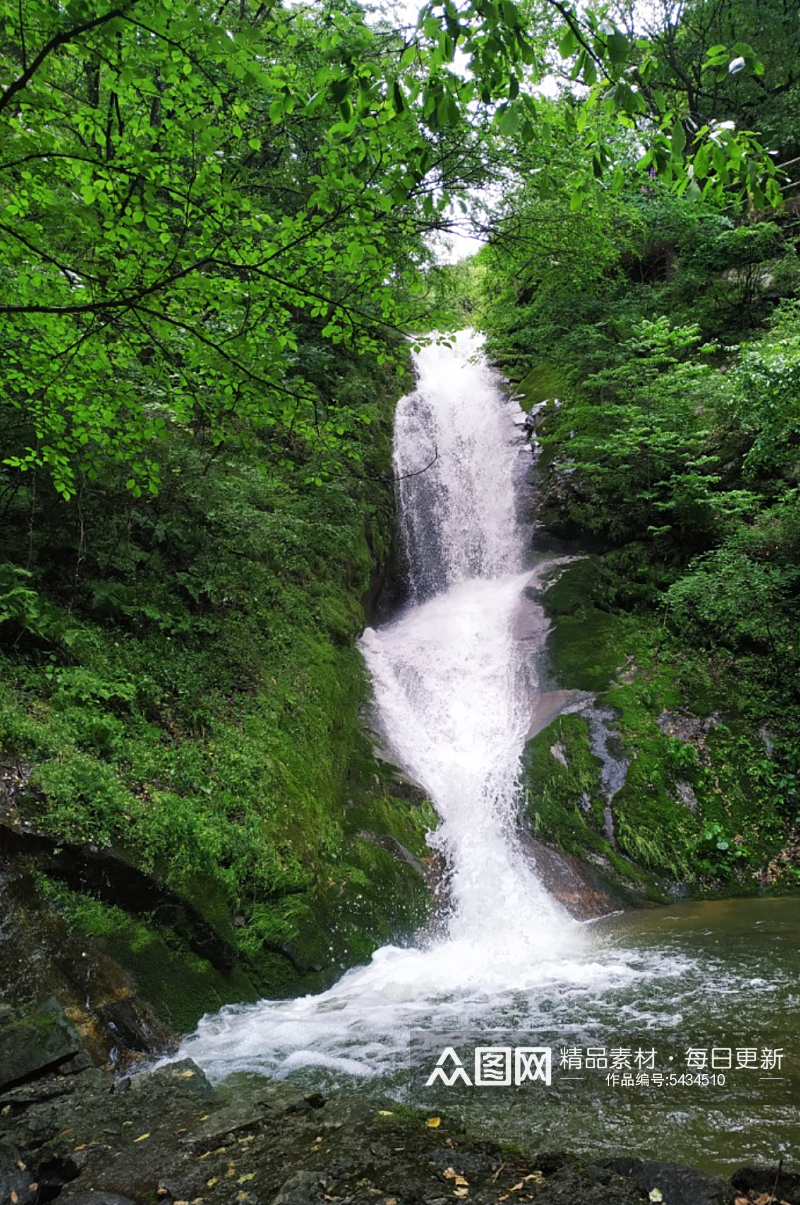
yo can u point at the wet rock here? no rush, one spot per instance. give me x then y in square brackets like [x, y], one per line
[41, 955]
[171, 1136]
[93, 1198]
[14, 1175]
[51, 1086]
[171, 1082]
[592, 1185]
[302, 1188]
[782, 1185]
[678, 1185]
[27, 1181]
[686, 794]
[572, 881]
[691, 729]
[35, 1043]
[559, 753]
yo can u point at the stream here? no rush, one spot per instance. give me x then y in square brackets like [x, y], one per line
[507, 968]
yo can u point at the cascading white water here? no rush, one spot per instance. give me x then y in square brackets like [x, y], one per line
[452, 704]
[455, 471]
[449, 694]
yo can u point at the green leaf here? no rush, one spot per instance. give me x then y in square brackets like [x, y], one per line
[568, 43]
[678, 140]
[508, 120]
[618, 47]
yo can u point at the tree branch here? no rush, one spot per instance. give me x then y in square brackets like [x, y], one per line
[59, 39]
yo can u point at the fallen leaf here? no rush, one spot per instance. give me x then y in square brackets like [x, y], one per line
[142, 1137]
[517, 1187]
[210, 1183]
[245, 1178]
[433, 1122]
[764, 1199]
[21, 1165]
[385, 1113]
[462, 1182]
[461, 1193]
[186, 1075]
[14, 1198]
[742, 1201]
[505, 1198]
[449, 1173]
[656, 1195]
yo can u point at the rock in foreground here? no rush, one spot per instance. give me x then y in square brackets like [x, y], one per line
[80, 1137]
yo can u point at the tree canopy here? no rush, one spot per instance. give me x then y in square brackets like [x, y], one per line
[199, 200]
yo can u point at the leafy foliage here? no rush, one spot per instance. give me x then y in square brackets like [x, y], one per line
[656, 339]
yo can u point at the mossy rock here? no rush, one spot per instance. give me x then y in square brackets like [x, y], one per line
[543, 382]
[586, 646]
[695, 813]
[565, 806]
[191, 727]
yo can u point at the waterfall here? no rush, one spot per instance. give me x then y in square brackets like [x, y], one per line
[455, 470]
[450, 696]
[452, 703]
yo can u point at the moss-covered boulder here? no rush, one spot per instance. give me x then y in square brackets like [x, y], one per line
[641, 778]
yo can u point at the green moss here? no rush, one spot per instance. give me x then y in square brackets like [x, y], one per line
[565, 803]
[180, 985]
[698, 805]
[541, 383]
[196, 708]
[586, 645]
[562, 782]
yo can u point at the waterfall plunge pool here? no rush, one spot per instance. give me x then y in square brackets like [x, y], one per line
[718, 975]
